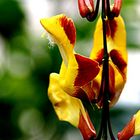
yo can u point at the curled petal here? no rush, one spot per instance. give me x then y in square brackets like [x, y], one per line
[63, 32]
[60, 24]
[68, 108]
[85, 7]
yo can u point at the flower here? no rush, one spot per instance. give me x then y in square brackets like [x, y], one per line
[69, 109]
[80, 77]
[72, 75]
[116, 44]
[131, 129]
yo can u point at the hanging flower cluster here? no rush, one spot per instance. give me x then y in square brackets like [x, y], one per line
[99, 78]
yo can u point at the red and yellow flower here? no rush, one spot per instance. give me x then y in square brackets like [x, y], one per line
[80, 76]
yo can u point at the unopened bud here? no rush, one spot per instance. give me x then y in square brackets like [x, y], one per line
[116, 8]
[85, 7]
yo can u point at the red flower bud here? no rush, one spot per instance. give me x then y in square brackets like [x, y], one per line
[116, 7]
[85, 7]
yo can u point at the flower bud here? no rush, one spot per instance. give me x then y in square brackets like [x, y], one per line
[116, 8]
[85, 7]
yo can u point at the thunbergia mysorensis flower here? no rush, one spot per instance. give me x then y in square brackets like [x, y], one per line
[80, 75]
[116, 44]
[73, 74]
[99, 78]
[131, 129]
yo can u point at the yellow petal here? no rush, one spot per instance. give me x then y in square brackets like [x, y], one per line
[116, 83]
[68, 108]
[67, 75]
[137, 123]
[116, 37]
[62, 30]
[116, 44]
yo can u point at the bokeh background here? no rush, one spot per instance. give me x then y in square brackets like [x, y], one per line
[27, 59]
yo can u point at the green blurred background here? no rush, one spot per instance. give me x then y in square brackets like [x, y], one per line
[27, 59]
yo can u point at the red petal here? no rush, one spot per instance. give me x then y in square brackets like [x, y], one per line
[69, 28]
[88, 69]
[99, 56]
[89, 91]
[128, 131]
[86, 128]
[118, 60]
[111, 26]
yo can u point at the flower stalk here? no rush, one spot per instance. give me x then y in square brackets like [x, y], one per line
[105, 119]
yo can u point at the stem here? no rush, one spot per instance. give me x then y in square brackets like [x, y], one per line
[108, 8]
[105, 119]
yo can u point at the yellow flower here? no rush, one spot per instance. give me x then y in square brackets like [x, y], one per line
[131, 129]
[116, 45]
[72, 75]
[80, 76]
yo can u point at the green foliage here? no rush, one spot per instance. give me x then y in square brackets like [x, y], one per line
[11, 17]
